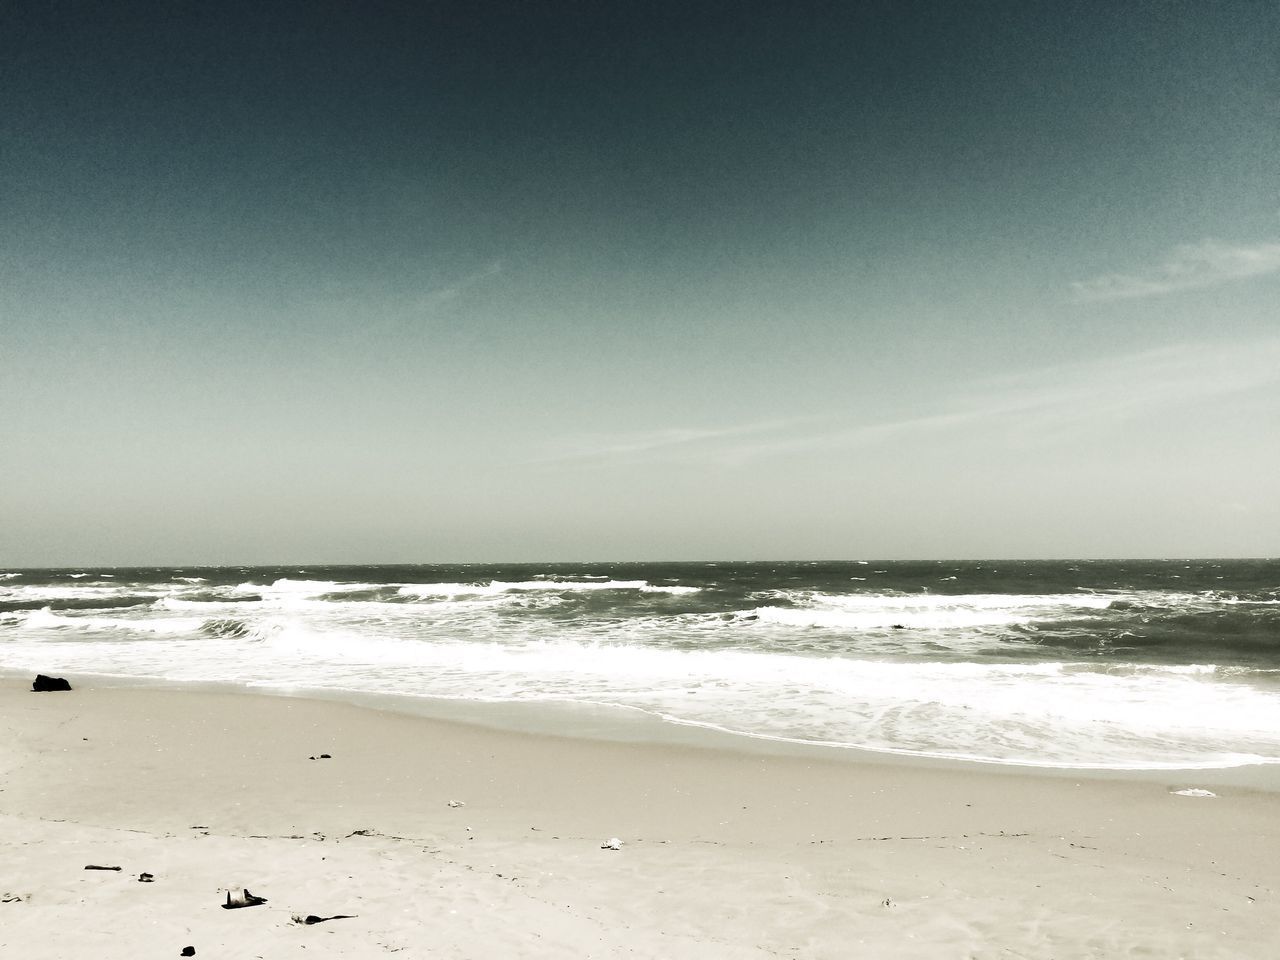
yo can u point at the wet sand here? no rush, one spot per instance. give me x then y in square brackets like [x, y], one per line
[724, 853]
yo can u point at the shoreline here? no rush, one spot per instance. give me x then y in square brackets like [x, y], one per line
[615, 723]
[724, 853]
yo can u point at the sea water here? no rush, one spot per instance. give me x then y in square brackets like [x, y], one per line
[1090, 664]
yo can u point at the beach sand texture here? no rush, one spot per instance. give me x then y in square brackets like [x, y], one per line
[724, 854]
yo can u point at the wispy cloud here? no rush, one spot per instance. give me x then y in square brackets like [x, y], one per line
[443, 295]
[1079, 398]
[664, 443]
[1134, 385]
[1188, 267]
[1074, 399]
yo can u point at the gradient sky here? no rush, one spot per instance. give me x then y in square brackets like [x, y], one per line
[374, 281]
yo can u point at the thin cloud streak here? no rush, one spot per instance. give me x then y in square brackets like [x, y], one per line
[1092, 395]
[1089, 396]
[453, 291]
[1188, 267]
[1085, 396]
[666, 443]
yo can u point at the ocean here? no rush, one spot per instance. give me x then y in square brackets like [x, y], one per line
[1072, 664]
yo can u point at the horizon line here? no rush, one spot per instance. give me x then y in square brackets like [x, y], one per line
[791, 560]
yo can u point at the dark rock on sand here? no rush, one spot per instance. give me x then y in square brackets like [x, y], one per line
[45, 684]
[188, 952]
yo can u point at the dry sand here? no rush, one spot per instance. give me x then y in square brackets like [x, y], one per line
[725, 853]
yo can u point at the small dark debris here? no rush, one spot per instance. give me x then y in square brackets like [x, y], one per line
[246, 900]
[311, 919]
[145, 878]
[188, 952]
[94, 866]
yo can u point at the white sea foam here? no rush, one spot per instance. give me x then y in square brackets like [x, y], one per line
[853, 681]
[1178, 599]
[936, 619]
[298, 594]
[527, 586]
[177, 603]
[9, 576]
[425, 590]
[877, 611]
[1061, 714]
[307, 588]
[1136, 669]
[36, 619]
[935, 601]
[46, 619]
[87, 591]
[174, 626]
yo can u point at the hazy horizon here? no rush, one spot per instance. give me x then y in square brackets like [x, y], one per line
[640, 562]
[444, 283]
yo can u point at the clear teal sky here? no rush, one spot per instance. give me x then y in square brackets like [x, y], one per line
[466, 281]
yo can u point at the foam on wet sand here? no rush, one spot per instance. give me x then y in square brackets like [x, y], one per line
[432, 838]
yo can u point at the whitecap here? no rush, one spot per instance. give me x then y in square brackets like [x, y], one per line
[528, 586]
[306, 587]
[46, 619]
[80, 591]
[892, 618]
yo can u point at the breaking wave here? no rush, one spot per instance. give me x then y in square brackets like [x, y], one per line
[959, 661]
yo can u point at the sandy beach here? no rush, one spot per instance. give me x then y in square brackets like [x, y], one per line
[440, 839]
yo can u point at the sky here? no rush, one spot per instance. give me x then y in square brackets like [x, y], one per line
[436, 281]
